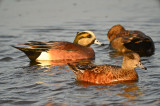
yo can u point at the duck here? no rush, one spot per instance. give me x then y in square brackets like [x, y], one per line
[123, 40]
[109, 74]
[61, 50]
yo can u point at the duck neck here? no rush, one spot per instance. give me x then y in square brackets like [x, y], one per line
[130, 72]
[129, 75]
[75, 41]
[126, 66]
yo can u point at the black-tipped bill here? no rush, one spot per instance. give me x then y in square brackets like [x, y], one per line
[141, 66]
[97, 42]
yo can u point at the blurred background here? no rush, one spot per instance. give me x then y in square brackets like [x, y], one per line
[24, 83]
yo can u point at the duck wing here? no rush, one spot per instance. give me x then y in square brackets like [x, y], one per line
[34, 48]
[81, 68]
[44, 46]
[136, 40]
[93, 68]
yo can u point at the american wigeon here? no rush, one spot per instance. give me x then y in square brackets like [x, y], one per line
[130, 40]
[106, 74]
[62, 50]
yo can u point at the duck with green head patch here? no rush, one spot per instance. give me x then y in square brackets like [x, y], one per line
[62, 50]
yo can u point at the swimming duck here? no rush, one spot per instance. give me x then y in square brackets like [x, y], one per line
[62, 50]
[130, 40]
[106, 74]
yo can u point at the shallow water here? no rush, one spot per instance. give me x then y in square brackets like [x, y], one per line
[26, 83]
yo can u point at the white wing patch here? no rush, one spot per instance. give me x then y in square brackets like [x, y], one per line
[44, 56]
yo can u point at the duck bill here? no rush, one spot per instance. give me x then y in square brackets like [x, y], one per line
[97, 42]
[141, 66]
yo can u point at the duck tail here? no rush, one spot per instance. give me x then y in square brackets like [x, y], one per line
[31, 53]
[75, 69]
[80, 69]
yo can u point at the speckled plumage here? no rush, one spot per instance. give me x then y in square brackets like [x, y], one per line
[105, 74]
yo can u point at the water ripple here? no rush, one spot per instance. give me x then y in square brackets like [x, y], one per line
[6, 59]
[33, 83]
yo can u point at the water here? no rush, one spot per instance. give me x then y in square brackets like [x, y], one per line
[25, 83]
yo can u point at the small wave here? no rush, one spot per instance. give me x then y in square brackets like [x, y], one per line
[6, 59]
[7, 36]
[24, 102]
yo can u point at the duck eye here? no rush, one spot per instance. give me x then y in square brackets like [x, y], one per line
[89, 36]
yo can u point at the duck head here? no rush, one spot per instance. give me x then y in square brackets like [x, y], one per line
[86, 38]
[116, 29]
[131, 61]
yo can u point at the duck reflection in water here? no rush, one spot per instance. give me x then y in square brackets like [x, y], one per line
[128, 90]
[53, 63]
